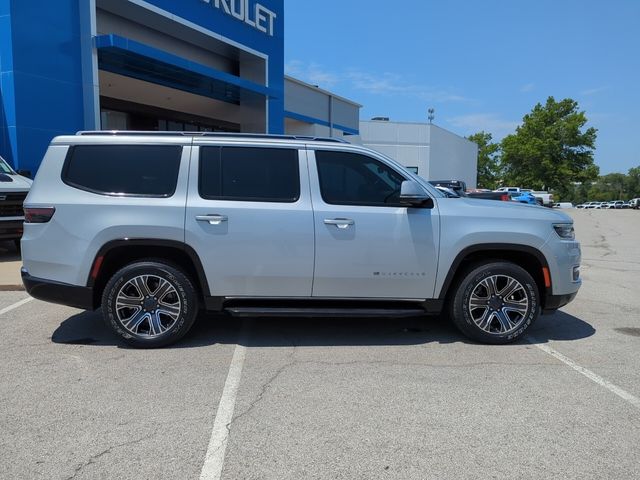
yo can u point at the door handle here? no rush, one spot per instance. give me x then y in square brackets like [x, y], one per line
[341, 223]
[212, 219]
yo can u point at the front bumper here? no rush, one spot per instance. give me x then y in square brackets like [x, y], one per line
[56, 292]
[554, 302]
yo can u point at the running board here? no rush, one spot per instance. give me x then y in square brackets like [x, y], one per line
[324, 312]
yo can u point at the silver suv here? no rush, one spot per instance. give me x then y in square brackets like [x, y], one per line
[154, 227]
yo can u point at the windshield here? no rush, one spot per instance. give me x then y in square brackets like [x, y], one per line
[5, 168]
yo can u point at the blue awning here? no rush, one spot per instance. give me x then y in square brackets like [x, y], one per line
[134, 59]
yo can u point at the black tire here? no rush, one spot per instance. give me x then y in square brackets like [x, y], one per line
[487, 323]
[165, 320]
[540, 202]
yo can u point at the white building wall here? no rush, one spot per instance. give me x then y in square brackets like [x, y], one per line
[295, 127]
[312, 111]
[453, 157]
[345, 113]
[437, 153]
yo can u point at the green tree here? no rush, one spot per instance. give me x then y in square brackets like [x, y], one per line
[551, 149]
[616, 185]
[633, 182]
[488, 160]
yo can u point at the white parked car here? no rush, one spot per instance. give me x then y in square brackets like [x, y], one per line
[14, 187]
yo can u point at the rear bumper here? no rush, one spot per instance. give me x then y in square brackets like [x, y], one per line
[554, 302]
[56, 292]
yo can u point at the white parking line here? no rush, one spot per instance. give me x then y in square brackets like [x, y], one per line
[633, 400]
[15, 305]
[214, 460]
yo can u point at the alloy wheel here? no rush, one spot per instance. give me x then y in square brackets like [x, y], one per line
[148, 305]
[498, 304]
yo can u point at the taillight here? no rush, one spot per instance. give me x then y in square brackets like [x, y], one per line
[38, 215]
[505, 198]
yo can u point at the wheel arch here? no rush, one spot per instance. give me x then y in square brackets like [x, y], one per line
[117, 253]
[529, 258]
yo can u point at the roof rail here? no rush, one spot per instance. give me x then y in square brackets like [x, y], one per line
[212, 134]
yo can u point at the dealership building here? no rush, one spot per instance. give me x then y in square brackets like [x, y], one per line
[429, 150]
[190, 65]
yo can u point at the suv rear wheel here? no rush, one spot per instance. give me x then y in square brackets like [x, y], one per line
[149, 304]
[495, 303]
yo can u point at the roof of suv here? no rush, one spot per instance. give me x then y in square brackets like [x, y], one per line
[110, 136]
[225, 135]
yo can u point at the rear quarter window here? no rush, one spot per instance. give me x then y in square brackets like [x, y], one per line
[131, 170]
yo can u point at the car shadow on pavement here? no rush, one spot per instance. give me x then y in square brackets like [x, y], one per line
[88, 328]
[560, 326]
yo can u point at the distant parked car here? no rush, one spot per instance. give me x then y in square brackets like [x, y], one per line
[542, 198]
[564, 205]
[460, 188]
[523, 197]
[448, 192]
[634, 203]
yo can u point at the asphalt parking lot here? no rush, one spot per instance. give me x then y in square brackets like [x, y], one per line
[339, 399]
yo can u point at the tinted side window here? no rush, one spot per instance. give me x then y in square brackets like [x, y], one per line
[138, 170]
[250, 174]
[354, 179]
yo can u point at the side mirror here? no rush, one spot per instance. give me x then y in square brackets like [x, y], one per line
[412, 194]
[24, 173]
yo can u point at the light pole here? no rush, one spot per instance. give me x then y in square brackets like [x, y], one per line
[432, 114]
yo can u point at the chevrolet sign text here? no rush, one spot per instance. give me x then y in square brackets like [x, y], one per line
[252, 13]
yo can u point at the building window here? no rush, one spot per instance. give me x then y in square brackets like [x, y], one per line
[112, 120]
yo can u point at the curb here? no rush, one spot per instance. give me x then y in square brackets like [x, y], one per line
[11, 288]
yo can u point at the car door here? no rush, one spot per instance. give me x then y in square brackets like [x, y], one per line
[249, 218]
[369, 245]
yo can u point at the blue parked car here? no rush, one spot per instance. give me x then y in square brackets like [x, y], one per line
[523, 197]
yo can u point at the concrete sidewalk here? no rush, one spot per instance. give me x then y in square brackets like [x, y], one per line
[10, 264]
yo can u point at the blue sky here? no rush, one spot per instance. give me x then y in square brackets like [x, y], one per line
[481, 64]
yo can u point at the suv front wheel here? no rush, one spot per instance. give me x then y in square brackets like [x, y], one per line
[495, 303]
[149, 304]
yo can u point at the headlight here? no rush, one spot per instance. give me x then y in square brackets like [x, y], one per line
[565, 230]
